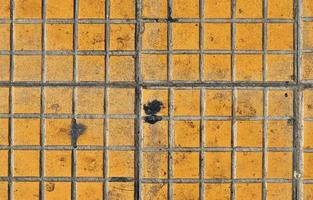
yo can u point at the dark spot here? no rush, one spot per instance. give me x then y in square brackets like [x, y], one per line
[310, 106]
[152, 108]
[290, 122]
[152, 119]
[50, 187]
[170, 19]
[240, 11]
[286, 95]
[76, 131]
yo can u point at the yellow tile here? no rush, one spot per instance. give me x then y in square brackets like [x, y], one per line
[307, 67]
[187, 102]
[218, 102]
[88, 96]
[249, 102]
[4, 99]
[280, 103]
[58, 190]
[280, 36]
[125, 98]
[186, 133]
[279, 67]
[93, 135]
[5, 36]
[120, 190]
[59, 68]
[4, 67]
[249, 165]
[90, 163]
[27, 68]
[248, 67]
[27, 37]
[185, 67]
[217, 36]
[279, 134]
[154, 191]
[26, 190]
[308, 135]
[122, 68]
[58, 132]
[217, 9]
[279, 191]
[155, 135]
[217, 67]
[28, 9]
[154, 8]
[161, 95]
[122, 9]
[219, 191]
[4, 163]
[4, 9]
[26, 131]
[280, 9]
[121, 132]
[307, 166]
[307, 191]
[58, 100]
[248, 191]
[121, 164]
[122, 37]
[307, 8]
[89, 190]
[307, 103]
[185, 165]
[59, 37]
[249, 36]
[185, 9]
[22, 168]
[154, 36]
[307, 34]
[249, 10]
[154, 165]
[91, 68]
[91, 9]
[217, 165]
[60, 9]
[154, 67]
[26, 100]
[249, 133]
[58, 163]
[185, 36]
[279, 165]
[4, 190]
[4, 131]
[188, 191]
[91, 37]
[218, 133]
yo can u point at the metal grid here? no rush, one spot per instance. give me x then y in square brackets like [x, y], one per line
[170, 85]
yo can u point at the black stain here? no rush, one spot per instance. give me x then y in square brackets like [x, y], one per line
[151, 109]
[76, 131]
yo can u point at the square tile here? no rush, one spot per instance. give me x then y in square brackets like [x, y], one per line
[126, 99]
[93, 135]
[217, 133]
[58, 100]
[307, 191]
[307, 165]
[5, 37]
[186, 165]
[26, 190]
[4, 158]
[185, 9]
[248, 67]
[249, 133]
[121, 164]
[120, 190]
[248, 191]
[217, 36]
[121, 132]
[89, 190]
[27, 36]
[4, 67]
[185, 36]
[279, 191]
[307, 34]
[185, 67]
[250, 102]
[187, 133]
[154, 8]
[4, 190]
[217, 191]
[280, 36]
[249, 165]
[59, 68]
[26, 131]
[26, 100]
[248, 36]
[279, 165]
[91, 36]
[154, 67]
[154, 191]
[186, 102]
[4, 131]
[91, 68]
[307, 103]
[59, 37]
[22, 168]
[155, 135]
[5, 9]
[155, 164]
[89, 9]
[186, 191]
[58, 163]
[217, 9]
[217, 165]
[60, 9]
[122, 68]
[4, 99]
[89, 163]
[27, 68]
[279, 134]
[307, 7]
[280, 9]
[154, 36]
[122, 9]
[122, 37]
[307, 67]
[57, 190]
[249, 10]
[217, 67]
[87, 96]
[58, 131]
[161, 95]
[28, 9]
[280, 67]
[280, 103]
[218, 102]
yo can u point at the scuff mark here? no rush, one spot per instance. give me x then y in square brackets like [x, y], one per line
[151, 109]
[76, 131]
